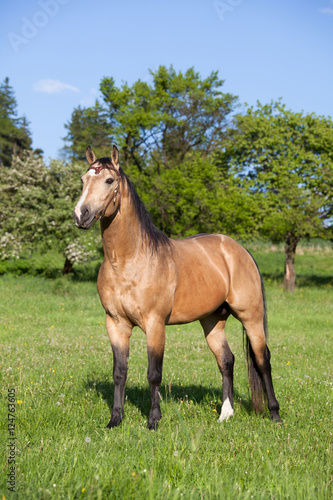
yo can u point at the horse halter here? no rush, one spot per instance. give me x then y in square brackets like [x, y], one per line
[112, 168]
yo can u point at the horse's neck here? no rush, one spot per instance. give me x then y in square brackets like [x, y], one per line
[121, 236]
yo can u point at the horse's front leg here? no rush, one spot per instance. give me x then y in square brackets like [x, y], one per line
[119, 335]
[155, 332]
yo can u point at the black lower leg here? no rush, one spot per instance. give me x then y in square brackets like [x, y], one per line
[119, 377]
[272, 402]
[227, 375]
[155, 363]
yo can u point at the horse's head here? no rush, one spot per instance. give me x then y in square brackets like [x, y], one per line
[101, 189]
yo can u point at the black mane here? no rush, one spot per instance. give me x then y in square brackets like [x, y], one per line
[105, 162]
[153, 237]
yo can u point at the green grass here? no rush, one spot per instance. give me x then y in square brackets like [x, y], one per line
[56, 355]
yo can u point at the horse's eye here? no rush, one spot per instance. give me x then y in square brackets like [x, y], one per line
[109, 181]
[81, 181]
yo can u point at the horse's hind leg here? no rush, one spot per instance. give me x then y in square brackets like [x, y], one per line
[155, 332]
[213, 327]
[260, 368]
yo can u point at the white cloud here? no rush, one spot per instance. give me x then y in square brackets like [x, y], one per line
[326, 10]
[53, 86]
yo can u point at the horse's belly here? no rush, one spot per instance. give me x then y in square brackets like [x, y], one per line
[198, 297]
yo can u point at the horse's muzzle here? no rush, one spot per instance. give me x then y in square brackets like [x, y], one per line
[83, 218]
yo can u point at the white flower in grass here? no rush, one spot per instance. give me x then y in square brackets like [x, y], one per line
[58, 403]
[88, 439]
[175, 453]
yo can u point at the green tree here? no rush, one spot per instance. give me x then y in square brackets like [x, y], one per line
[87, 126]
[197, 196]
[169, 119]
[286, 160]
[14, 131]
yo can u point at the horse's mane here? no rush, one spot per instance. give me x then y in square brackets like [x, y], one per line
[152, 236]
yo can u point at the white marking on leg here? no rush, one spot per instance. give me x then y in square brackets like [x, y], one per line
[227, 411]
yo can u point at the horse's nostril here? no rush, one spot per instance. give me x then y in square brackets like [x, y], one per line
[81, 215]
[84, 214]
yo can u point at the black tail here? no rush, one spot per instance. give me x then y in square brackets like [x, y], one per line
[257, 387]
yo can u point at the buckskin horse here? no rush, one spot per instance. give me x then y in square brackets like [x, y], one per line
[150, 280]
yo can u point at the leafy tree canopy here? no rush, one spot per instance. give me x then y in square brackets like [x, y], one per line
[87, 126]
[286, 160]
[161, 122]
[15, 136]
[177, 114]
[196, 197]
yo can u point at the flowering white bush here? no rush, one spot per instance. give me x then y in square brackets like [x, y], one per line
[36, 207]
[77, 253]
[10, 247]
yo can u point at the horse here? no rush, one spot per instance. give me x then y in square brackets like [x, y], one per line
[149, 280]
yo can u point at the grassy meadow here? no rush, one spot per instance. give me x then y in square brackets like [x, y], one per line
[56, 360]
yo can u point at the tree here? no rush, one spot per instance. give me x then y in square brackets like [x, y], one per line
[286, 159]
[165, 121]
[14, 131]
[197, 196]
[87, 126]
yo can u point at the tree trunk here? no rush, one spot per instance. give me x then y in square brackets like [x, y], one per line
[68, 267]
[289, 280]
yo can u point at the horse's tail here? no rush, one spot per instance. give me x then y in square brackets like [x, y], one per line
[257, 386]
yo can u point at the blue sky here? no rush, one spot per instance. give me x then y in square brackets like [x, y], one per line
[55, 52]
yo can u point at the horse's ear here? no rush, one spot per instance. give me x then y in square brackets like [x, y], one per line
[90, 155]
[115, 156]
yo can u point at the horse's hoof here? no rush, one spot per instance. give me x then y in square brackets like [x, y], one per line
[276, 418]
[152, 426]
[113, 423]
[154, 417]
[116, 419]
